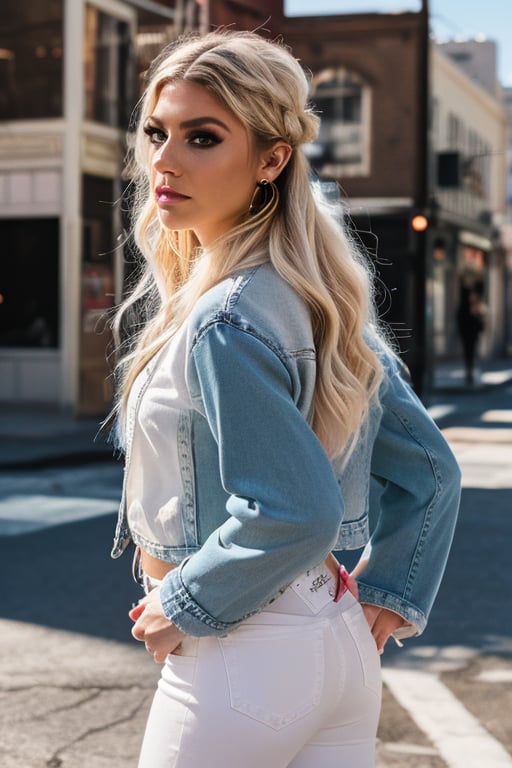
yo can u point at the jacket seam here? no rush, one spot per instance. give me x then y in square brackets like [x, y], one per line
[222, 317]
[236, 287]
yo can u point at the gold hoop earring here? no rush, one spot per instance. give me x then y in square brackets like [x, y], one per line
[265, 195]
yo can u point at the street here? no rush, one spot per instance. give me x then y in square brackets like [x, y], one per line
[467, 646]
[75, 687]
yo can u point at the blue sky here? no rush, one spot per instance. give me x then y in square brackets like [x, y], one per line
[449, 18]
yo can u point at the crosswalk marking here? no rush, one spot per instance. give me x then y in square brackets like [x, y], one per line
[458, 736]
[26, 514]
[494, 676]
[31, 501]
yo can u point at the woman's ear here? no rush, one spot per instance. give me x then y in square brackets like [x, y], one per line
[275, 159]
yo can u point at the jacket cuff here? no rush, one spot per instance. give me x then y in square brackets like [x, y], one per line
[181, 608]
[416, 620]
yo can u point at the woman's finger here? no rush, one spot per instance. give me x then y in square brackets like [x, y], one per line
[136, 612]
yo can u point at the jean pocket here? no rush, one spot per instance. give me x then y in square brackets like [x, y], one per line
[364, 641]
[275, 673]
[188, 647]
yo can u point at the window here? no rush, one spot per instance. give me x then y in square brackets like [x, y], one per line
[477, 165]
[343, 103]
[460, 56]
[456, 132]
[109, 69]
[30, 59]
[29, 283]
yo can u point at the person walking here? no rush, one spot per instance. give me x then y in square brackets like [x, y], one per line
[256, 402]
[470, 319]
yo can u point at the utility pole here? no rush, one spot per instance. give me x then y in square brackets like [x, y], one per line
[422, 358]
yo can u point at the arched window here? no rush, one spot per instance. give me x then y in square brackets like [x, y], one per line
[343, 102]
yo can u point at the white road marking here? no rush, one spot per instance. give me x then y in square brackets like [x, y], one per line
[31, 501]
[503, 416]
[440, 411]
[494, 676]
[26, 514]
[457, 735]
[401, 748]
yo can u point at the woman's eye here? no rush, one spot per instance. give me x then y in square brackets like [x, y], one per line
[203, 139]
[155, 135]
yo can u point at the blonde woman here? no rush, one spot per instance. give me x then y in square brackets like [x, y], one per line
[256, 401]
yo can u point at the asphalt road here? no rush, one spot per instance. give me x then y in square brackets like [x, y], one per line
[75, 687]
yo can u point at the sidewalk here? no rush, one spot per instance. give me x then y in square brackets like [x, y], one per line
[38, 435]
[449, 377]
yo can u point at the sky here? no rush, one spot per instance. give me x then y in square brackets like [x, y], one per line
[449, 19]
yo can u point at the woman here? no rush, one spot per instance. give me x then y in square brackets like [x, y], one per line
[255, 403]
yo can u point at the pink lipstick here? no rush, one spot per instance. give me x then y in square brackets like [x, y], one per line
[168, 196]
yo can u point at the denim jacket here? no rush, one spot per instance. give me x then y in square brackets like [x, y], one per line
[225, 477]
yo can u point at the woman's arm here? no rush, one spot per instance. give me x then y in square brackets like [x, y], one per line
[417, 508]
[284, 503]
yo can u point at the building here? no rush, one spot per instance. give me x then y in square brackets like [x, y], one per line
[63, 121]
[61, 149]
[505, 230]
[478, 59]
[373, 143]
[416, 144]
[468, 139]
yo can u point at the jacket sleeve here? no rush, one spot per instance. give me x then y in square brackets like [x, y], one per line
[417, 506]
[284, 506]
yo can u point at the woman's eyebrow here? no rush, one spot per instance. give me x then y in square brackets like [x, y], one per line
[198, 121]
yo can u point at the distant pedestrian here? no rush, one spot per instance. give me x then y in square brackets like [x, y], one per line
[255, 401]
[470, 320]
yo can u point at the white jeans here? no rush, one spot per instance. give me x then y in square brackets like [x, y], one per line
[296, 686]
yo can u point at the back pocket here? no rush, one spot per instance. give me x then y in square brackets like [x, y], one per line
[366, 647]
[275, 673]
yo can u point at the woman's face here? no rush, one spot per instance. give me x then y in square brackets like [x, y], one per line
[203, 165]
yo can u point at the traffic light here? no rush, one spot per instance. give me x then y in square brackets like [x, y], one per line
[419, 222]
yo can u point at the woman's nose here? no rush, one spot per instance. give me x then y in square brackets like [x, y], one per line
[165, 159]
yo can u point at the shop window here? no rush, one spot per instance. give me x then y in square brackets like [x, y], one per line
[342, 100]
[31, 49]
[109, 69]
[29, 283]
[97, 295]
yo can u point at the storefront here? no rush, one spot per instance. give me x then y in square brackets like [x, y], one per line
[61, 148]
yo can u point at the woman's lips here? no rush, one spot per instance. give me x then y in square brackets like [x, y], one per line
[169, 196]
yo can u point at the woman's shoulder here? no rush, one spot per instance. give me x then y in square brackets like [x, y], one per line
[257, 299]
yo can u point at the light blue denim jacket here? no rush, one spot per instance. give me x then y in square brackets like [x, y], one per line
[225, 477]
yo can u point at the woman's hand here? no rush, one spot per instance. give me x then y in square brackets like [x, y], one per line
[382, 622]
[154, 628]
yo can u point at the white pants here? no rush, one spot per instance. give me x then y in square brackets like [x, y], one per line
[296, 686]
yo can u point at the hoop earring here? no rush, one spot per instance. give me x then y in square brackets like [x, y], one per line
[266, 194]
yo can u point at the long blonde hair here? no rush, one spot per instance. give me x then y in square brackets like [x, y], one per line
[267, 89]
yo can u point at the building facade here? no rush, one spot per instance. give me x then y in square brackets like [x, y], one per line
[403, 132]
[468, 139]
[63, 122]
[374, 102]
[61, 138]
[416, 144]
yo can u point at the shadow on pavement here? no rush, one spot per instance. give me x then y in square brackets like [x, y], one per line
[474, 603]
[63, 577]
[472, 609]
